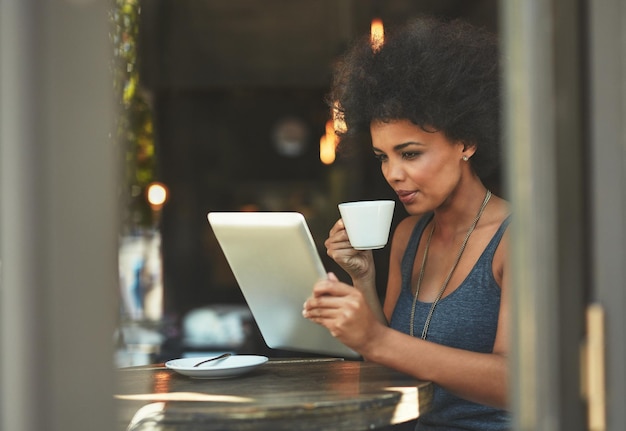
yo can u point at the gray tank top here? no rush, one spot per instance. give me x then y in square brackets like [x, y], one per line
[465, 319]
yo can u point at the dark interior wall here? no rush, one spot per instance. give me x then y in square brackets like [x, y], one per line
[242, 43]
[216, 153]
[220, 75]
[269, 43]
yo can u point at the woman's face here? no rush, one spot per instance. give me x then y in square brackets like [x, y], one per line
[423, 168]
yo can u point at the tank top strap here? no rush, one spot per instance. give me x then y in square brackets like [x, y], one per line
[495, 240]
[411, 249]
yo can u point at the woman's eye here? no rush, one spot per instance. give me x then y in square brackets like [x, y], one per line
[410, 155]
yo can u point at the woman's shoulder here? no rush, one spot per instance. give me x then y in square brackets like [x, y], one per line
[403, 232]
[498, 213]
[406, 226]
[501, 219]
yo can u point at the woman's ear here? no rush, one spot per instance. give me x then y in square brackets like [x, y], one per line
[469, 148]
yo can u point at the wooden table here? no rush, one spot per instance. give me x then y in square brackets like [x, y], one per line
[282, 394]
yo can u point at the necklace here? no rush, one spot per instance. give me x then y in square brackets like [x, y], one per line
[445, 282]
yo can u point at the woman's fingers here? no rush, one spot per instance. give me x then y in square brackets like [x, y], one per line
[337, 227]
[331, 300]
[341, 309]
[331, 287]
[327, 295]
[337, 235]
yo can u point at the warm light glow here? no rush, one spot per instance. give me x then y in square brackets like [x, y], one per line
[185, 396]
[157, 194]
[328, 144]
[330, 129]
[377, 34]
[327, 152]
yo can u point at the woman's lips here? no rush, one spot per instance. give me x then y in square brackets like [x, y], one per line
[405, 196]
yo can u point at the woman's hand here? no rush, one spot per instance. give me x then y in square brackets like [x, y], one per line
[343, 310]
[357, 263]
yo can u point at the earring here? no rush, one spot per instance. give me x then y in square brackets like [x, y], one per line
[465, 158]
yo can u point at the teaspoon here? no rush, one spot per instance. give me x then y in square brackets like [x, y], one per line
[216, 358]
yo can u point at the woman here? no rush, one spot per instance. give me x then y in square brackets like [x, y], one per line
[429, 100]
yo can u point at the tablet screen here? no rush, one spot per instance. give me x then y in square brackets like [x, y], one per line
[276, 263]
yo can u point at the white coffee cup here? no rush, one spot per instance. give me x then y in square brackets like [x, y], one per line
[367, 222]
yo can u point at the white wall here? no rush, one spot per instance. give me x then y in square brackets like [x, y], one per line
[58, 216]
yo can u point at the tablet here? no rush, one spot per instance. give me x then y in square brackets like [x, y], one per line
[276, 263]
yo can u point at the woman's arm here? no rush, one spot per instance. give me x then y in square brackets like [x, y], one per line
[479, 377]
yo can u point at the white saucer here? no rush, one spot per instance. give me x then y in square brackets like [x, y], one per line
[231, 366]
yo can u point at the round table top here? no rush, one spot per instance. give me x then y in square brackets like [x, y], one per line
[282, 394]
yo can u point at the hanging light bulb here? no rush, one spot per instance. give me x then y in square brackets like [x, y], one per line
[377, 34]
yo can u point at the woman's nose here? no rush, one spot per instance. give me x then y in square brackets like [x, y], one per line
[392, 171]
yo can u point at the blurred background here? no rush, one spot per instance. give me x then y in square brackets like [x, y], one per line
[223, 108]
[204, 94]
